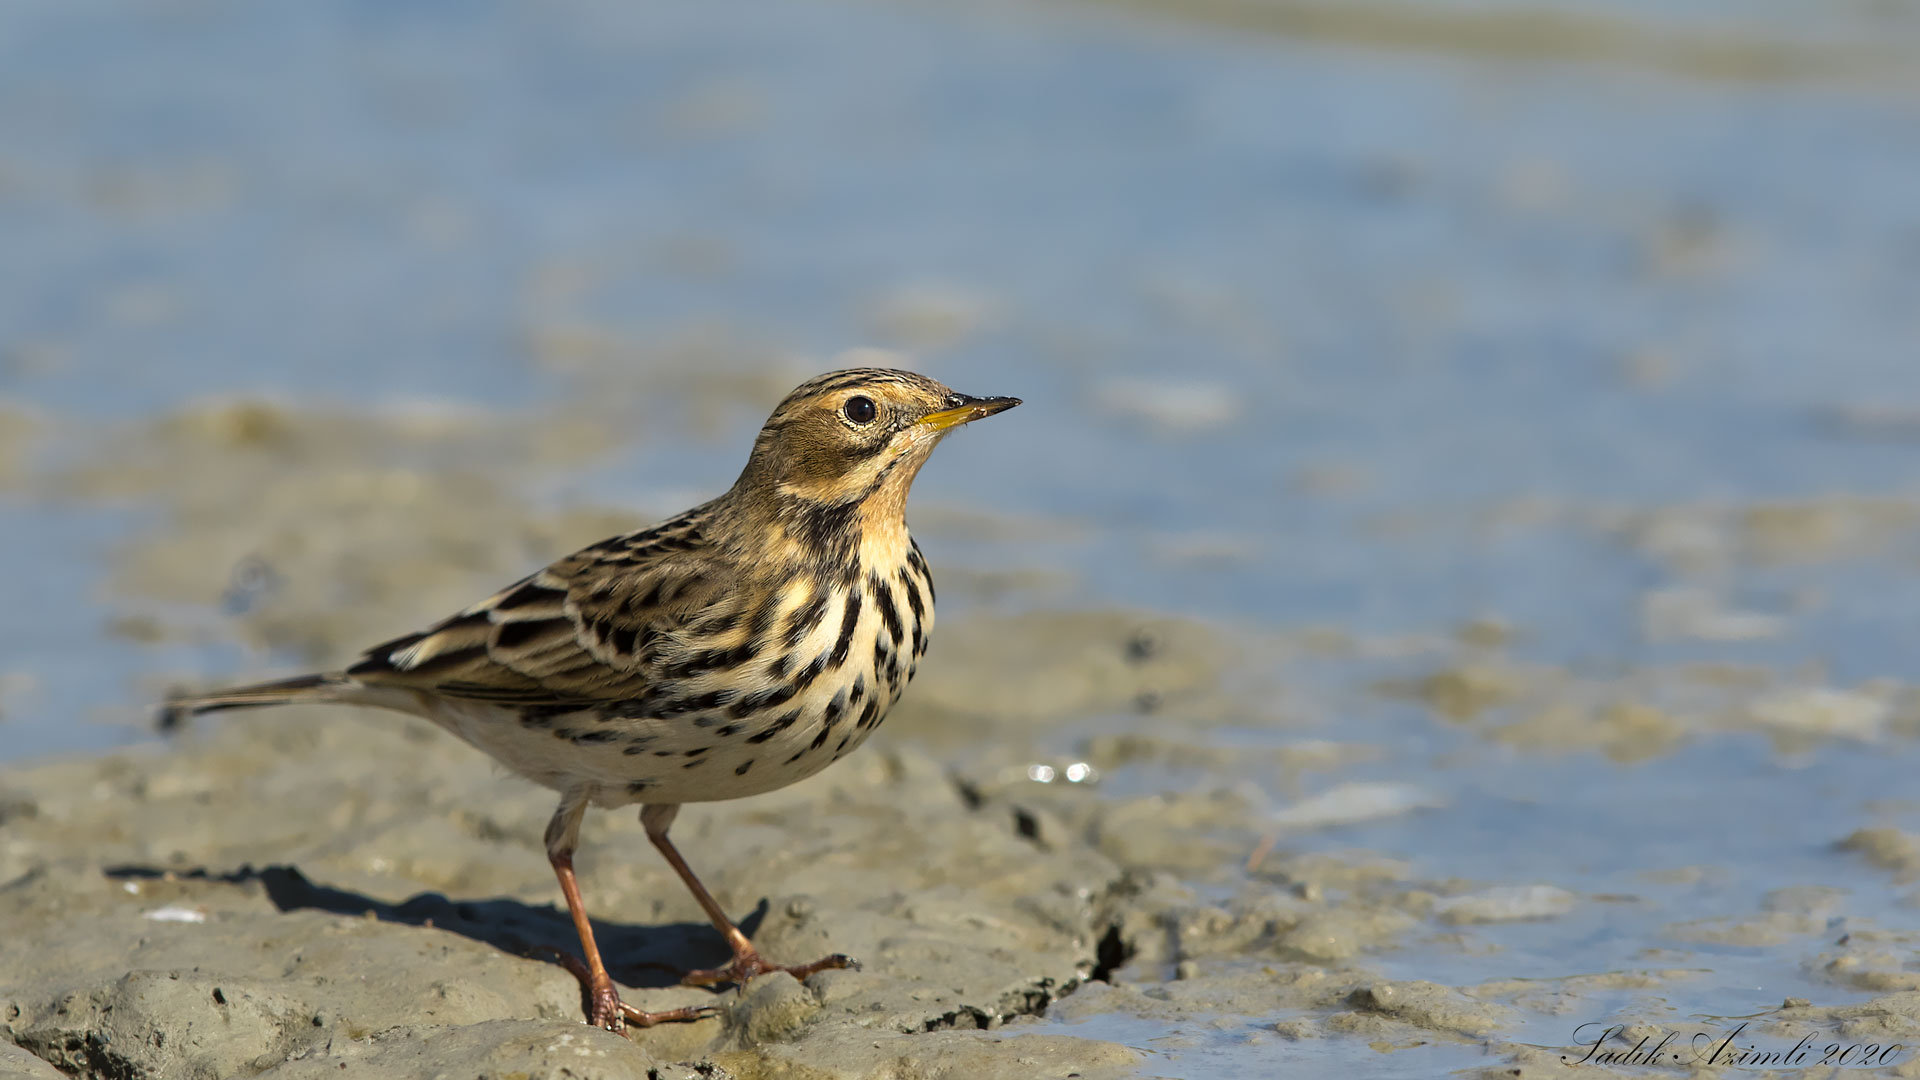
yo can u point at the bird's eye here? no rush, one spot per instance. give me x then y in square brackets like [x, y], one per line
[860, 410]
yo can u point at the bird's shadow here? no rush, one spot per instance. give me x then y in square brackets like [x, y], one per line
[637, 956]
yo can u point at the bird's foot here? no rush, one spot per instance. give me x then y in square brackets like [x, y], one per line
[747, 964]
[606, 1010]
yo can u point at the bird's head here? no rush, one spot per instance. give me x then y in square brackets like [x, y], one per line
[856, 438]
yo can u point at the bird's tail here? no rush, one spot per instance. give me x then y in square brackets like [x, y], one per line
[303, 688]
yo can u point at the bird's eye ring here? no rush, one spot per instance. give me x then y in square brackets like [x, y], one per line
[860, 410]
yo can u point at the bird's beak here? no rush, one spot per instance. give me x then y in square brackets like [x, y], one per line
[962, 409]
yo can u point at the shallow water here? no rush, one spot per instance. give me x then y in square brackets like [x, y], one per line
[1311, 334]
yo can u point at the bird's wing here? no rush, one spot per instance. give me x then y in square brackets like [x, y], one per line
[588, 630]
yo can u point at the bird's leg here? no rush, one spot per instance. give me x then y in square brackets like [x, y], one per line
[747, 961]
[604, 1007]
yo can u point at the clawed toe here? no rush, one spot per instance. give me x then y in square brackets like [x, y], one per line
[749, 964]
[605, 1010]
[643, 1018]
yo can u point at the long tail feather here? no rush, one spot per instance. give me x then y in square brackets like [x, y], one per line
[279, 692]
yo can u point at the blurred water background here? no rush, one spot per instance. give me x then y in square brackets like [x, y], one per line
[1580, 335]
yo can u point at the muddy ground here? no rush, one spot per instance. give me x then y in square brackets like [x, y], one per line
[319, 891]
[311, 891]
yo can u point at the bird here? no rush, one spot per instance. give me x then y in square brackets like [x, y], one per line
[734, 649]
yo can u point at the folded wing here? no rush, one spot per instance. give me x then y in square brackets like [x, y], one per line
[591, 629]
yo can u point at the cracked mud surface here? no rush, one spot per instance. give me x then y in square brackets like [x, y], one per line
[180, 915]
[291, 893]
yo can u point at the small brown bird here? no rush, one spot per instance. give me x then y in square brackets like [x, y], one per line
[742, 646]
